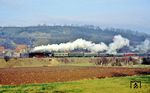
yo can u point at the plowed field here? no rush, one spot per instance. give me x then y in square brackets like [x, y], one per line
[17, 76]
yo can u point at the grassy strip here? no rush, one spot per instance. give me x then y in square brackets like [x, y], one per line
[106, 85]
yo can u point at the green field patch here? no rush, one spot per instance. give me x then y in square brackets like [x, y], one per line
[106, 85]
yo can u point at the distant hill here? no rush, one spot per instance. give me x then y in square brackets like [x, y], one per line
[39, 35]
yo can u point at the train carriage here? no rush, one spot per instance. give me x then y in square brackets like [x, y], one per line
[60, 54]
[76, 54]
[90, 54]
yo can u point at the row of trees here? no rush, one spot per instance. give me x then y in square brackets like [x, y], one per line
[105, 61]
[38, 35]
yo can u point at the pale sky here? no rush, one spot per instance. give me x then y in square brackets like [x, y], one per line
[127, 14]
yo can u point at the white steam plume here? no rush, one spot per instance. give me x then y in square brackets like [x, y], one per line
[118, 42]
[144, 46]
[77, 44]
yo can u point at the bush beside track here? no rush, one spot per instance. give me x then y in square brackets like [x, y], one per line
[77, 61]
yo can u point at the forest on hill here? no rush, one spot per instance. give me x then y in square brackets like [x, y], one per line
[43, 35]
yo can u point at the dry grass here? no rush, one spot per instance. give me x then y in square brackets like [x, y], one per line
[72, 61]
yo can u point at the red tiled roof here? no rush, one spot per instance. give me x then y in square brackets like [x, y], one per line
[20, 47]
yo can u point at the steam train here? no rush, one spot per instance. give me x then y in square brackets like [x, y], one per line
[83, 54]
[145, 56]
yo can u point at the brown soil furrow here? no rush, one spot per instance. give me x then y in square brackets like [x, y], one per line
[17, 76]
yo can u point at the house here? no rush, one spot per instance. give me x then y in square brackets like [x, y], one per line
[21, 48]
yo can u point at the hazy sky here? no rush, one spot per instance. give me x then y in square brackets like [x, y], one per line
[128, 14]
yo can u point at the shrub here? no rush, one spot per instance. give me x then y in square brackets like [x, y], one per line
[6, 58]
[102, 61]
[146, 61]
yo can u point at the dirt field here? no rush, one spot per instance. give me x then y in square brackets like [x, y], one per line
[17, 76]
